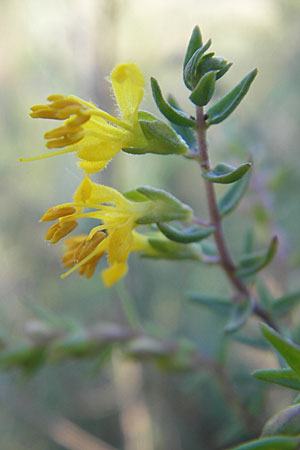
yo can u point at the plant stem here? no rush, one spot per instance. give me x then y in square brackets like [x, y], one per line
[216, 220]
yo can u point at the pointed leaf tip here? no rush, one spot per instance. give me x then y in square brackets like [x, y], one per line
[172, 114]
[254, 262]
[282, 377]
[195, 42]
[288, 350]
[194, 234]
[227, 104]
[225, 173]
[240, 314]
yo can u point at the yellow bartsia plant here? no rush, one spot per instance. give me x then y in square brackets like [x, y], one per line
[95, 135]
[115, 235]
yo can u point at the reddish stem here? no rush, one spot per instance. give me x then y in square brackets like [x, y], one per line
[216, 220]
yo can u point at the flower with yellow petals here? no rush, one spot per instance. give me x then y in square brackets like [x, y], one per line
[79, 246]
[115, 235]
[94, 135]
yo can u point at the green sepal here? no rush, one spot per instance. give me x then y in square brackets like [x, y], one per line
[187, 134]
[173, 115]
[286, 422]
[190, 70]
[270, 443]
[165, 207]
[229, 201]
[204, 90]
[161, 138]
[284, 304]
[227, 104]
[195, 42]
[288, 350]
[254, 262]
[217, 305]
[282, 377]
[165, 249]
[186, 236]
[225, 173]
[241, 312]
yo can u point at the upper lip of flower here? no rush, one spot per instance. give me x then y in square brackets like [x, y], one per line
[94, 134]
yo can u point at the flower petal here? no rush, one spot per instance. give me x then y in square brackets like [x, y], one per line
[120, 242]
[94, 150]
[90, 167]
[128, 83]
[112, 274]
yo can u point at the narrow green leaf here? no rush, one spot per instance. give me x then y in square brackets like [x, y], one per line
[218, 305]
[282, 377]
[253, 263]
[248, 244]
[270, 443]
[233, 195]
[204, 90]
[285, 303]
[241, 312]
[286, 422]
[195, 42]
[288, 350]
[186, 236]
[265, 296]
[173, 115]
[225, 173]
[190, 70]
[227, 104]
[187, 134]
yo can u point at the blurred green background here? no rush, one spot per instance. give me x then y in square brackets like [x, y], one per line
[62, 46]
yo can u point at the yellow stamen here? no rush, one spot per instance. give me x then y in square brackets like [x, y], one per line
[64, 141]
[61, 131]
[56, 213]
[59, 230]
[55, 97]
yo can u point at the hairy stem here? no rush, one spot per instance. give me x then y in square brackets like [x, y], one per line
[216, 220]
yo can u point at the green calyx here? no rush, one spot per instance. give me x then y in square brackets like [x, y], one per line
[161, 138]
[164, 206]
[162, 248]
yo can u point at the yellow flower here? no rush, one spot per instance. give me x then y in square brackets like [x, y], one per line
[93, 134]
[115, 235]
[80, 246]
